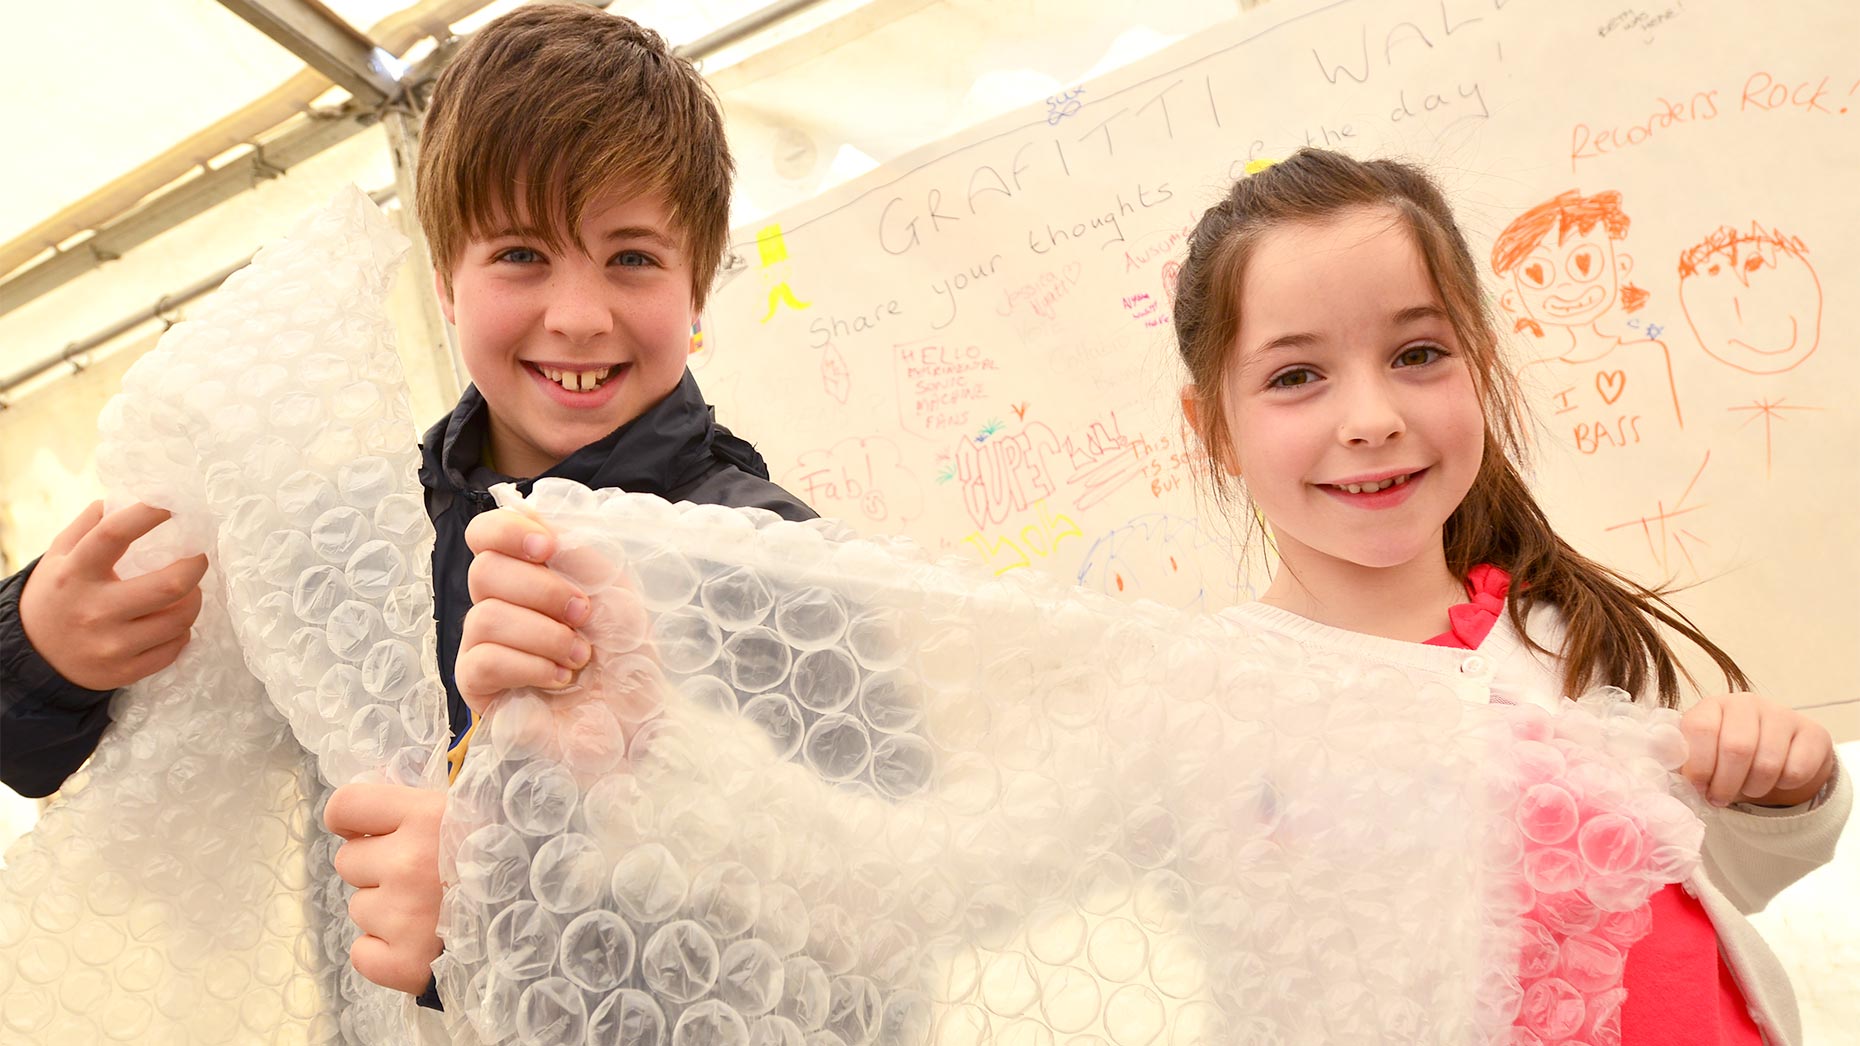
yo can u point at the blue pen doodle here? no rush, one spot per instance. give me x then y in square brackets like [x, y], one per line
[1060, 106]
[1652, 330]
[1164, 557]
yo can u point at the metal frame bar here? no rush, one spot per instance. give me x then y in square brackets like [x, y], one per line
[743, 28]
[192, 198]
[187, 200]
[325, 42]
[73, 353]
[259, 118]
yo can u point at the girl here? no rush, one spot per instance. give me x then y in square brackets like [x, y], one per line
[1343, 366]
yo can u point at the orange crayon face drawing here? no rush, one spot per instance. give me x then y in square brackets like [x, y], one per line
[1561, 265]
[1569, 283]
[1752, 299]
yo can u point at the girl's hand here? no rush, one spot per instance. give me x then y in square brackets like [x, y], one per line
[1747, 749]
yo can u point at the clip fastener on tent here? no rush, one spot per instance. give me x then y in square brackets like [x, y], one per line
[262, 167]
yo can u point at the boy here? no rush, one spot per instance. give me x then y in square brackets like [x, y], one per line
[574, 185]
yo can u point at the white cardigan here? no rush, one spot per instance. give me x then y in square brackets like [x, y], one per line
[1750, 853]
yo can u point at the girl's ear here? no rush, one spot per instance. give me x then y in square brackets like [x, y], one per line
[1509, 302]
[444, 295]
[1191, 409]
[1624, 264]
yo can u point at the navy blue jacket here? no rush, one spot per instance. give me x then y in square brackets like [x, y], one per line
[49, 726]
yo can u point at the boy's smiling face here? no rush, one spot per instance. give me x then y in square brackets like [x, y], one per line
[567, 345]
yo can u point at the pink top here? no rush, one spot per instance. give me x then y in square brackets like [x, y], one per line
[1680, 992]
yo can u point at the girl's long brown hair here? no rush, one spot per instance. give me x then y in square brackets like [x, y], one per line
[1611, 636]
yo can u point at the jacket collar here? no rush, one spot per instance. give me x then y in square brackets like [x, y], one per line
[673, 444]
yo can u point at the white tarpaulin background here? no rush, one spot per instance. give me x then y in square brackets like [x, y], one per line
[99, 92]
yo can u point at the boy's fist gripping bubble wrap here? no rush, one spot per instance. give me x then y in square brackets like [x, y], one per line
[813, 788]
[180, 889]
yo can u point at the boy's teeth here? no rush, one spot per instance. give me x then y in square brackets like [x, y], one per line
[576, 380]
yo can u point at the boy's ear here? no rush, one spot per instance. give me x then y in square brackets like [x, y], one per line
[444, 295]
[1191, 409]
[1624, 264]
[1509, 302]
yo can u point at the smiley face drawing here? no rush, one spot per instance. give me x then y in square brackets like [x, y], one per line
[1752, 298]
[1570, 283]
[1561, 265]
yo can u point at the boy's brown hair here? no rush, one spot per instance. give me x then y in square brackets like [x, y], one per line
[552, 106]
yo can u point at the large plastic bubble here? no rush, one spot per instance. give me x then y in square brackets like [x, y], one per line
[179, 889]
[812, 788]
[869, 798]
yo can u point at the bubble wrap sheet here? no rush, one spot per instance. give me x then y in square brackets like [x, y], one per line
[817, 789]
[180, 887]
[812, 789]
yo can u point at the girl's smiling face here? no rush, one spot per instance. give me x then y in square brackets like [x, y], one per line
[1351, 412]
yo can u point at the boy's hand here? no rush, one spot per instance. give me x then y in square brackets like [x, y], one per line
[520, 630]
[1747, 749]
[96, 629]
[392, 858]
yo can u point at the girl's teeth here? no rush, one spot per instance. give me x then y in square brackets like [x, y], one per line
[1370, 488]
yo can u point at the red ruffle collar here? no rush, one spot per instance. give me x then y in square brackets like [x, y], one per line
[1469, 623]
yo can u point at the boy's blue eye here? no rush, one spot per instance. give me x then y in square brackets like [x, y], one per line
[518, 255]
[1419, 355]
[634, 259]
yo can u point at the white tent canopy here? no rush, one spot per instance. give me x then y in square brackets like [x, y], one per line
[118, 113]
[186, 93]
[177, 89]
